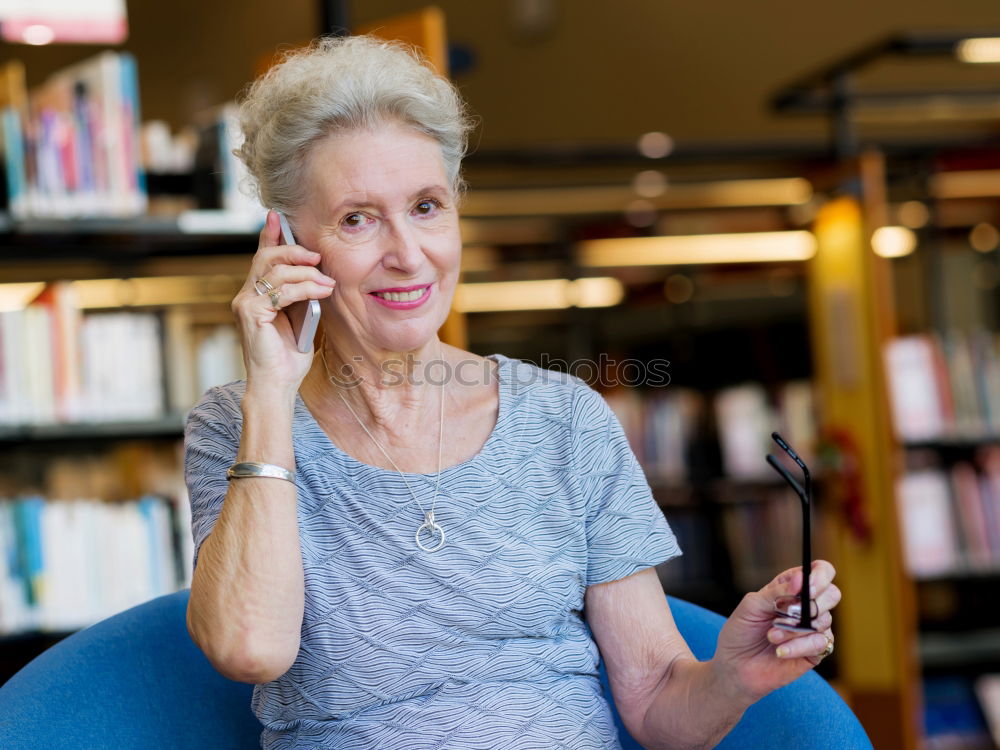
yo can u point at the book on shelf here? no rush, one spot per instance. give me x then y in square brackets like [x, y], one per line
[72, 148]
[59, 364]
[218, 357]
[745, 421]
[661, 426]
[64, 326]
[761, 525]
[987, 688]
[67, 564]
[950, 518]
[222, 181]
[746, 416]
[165, 152]
[763, 538]
[927, 522]
[920, 405]
[953, 716]
[13, 117]
[943, 387]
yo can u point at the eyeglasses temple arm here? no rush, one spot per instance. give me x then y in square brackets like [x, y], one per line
[805, 617]
[776, 465]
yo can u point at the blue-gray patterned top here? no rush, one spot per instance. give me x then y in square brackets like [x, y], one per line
[481, 644]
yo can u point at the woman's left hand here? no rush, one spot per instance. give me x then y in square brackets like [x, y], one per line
[756, 656]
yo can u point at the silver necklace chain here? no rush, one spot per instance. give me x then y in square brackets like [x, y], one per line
[429, 524]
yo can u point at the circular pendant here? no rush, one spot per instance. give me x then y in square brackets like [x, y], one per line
[434, 530]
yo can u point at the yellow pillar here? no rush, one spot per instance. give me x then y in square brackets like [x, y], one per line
[850, 316]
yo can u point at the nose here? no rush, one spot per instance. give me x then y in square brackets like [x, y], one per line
[403, 250]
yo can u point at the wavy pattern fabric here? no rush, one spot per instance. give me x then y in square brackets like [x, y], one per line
[482, 644]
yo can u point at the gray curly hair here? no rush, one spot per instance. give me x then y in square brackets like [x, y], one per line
[339, 84]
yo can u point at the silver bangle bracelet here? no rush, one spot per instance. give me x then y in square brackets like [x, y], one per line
[246, 469]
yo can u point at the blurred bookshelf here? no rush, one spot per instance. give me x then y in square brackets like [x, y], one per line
[943, 383]
[167, 426]
[113, 319]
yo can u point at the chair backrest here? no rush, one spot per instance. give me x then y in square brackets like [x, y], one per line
[137, 680]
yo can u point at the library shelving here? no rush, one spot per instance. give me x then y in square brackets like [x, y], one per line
[932, 365]
[54, 434]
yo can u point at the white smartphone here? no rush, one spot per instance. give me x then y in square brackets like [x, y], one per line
[304, 316]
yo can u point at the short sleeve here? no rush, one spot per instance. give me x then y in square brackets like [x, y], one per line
[626, 530]
[211, 441]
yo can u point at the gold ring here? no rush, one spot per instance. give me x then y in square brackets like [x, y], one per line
[267, 288]
[829, 648]
[274, 294]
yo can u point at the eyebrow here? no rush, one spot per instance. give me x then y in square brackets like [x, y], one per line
[433, 189]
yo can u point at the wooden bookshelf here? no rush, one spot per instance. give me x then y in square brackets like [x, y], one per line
[169, 427]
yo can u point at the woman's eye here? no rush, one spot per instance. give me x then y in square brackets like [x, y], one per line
[352, 221]
[427, 207]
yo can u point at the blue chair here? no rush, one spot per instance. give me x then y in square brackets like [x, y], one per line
[136, 680]
[808, 714]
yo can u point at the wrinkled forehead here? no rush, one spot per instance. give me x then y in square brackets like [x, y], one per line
[386, 165]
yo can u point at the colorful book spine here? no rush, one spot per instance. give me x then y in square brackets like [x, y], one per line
[73, 150]
[65, 564]
[944, 387]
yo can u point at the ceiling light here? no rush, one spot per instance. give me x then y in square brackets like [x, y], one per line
[154, 291]
[750, 247]
[972, 183]
[979, 50]
[597, 291]
[893, 242]
[538, 294]
[655, 145]
[649, 183]
[678, 288]
[576, 200]
[984, 237]
[38, 34]
[913, 214]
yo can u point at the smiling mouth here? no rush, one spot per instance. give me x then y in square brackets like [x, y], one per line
[410, 296]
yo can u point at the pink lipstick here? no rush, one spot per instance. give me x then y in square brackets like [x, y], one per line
[406, 297]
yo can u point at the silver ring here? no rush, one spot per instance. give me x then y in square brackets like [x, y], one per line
[434, 529]
[274, 294]
[263, 283]
[829, 648]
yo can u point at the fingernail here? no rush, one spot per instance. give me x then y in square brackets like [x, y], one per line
[782, 651]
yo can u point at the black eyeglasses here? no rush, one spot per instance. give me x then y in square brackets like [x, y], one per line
[804, 491]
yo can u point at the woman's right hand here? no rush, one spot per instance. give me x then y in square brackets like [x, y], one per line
[269, 352]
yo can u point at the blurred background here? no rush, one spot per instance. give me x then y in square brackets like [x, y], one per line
[791, 212]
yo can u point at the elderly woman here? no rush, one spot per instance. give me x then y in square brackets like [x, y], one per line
[419, 547]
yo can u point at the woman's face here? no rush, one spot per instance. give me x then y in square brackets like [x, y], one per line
[382, 215]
